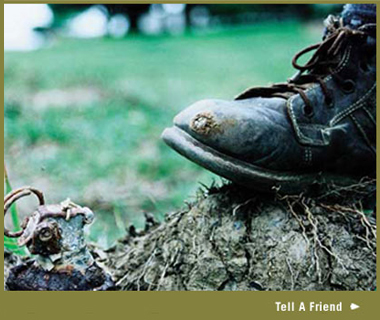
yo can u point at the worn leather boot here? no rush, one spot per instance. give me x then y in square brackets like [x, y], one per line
[318, 128]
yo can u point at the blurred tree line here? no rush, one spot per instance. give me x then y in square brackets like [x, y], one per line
[229, 13]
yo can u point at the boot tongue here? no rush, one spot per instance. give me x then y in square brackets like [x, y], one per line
[355, 15]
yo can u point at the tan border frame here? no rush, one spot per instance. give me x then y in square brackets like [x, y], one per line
[182, 305]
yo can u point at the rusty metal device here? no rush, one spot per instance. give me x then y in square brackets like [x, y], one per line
[54, 235]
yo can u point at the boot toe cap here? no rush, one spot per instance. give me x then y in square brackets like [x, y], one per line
[200, 118]
[237, 128]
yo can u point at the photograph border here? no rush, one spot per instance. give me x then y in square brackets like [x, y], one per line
[184, 305]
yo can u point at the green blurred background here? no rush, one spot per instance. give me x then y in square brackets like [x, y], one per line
[83, 117]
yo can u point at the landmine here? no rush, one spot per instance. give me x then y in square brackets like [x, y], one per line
[54, 235]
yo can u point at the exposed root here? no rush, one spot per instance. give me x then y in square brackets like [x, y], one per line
[358, 215]
[234, 239]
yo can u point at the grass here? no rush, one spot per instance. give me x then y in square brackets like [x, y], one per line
[83, 118]
[11, 243]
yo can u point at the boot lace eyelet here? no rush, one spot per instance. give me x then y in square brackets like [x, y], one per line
[348, 86]
[308, 111]
[329, 102]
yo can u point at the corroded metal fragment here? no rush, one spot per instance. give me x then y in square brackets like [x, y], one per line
[31, 277]
[55, 235]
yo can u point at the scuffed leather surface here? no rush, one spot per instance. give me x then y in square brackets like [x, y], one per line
[275, 133]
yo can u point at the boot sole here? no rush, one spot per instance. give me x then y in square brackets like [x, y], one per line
[249, 175]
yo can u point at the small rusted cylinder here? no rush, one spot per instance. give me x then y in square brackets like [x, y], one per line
[54, 234]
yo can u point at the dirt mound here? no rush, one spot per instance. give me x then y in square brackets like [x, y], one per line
[10, 260]
[235, 239]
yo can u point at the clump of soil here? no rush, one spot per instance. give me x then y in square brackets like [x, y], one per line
[10, 260]
[235, 239]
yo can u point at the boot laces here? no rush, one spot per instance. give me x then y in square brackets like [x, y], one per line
[325, 59]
